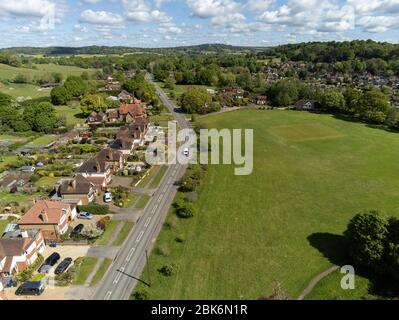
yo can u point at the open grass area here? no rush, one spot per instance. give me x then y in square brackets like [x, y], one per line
[108, 233]
[85, 269]
[47, 181]
[142, 201]
[284, 222]
[23, 199]
[6, 161]
[16, 90]
[158, 178]
[3, 225]
[73, 115]
[127, 227]
[101, 271]
[42, 141]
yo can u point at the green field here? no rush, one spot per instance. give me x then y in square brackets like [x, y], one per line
[6, 161]
[73, 115]
[47, 181]
[108, 233]
[42, 141]
[158, 178]
[85, 269]
[142, 201]
[284, 222]
[101, 271]
[16, 90]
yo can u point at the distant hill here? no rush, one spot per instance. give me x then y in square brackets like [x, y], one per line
[92, 50]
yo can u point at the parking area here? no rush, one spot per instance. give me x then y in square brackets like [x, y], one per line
[86, 222]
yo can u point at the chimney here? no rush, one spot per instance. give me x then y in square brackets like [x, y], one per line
[44, 216]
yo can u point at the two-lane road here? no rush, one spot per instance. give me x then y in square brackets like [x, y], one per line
[128, 266]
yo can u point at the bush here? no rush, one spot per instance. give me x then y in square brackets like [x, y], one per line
[168, 270]
[95, 209]
[184, 209]
[140, 295]
[180, 239]
[103, 223]
[27, 274]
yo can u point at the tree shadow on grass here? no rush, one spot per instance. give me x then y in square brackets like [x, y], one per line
[335, 248]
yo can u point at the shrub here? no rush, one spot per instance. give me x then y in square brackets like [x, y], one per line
[184, 209]
[180, 239]
[140, 295]
[171, 223]
[103, 223]
[168, 270]
[95, 209]
[27, 274]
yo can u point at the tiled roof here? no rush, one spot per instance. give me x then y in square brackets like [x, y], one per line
[42, 209]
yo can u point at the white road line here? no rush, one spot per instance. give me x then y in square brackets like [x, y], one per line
[116, 280]
[147, 222]
[164, 189]
[108, 295]
[154, 209]
[129, 256]
[140, 235]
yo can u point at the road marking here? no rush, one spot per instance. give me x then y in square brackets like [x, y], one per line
[164, 189]
[117, 278]
[154, 209]
[147, 222]
[140, 235]
[129, 256]
[108, 295]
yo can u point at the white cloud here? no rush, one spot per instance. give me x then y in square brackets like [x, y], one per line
[212, 8]
[378, 23]
[101, 17]
[79, 28]
[27, 8]
[365, 7]
[258, 5]
[141, 11]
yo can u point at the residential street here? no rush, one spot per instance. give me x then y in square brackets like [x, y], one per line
[128, 265]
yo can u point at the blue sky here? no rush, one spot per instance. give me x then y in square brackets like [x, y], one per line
[160, 23]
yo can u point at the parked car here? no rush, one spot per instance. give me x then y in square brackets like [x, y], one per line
[77, 230]
[85, 215]
[108, 197]
[35, 288]
[63, 266]
[52, 259]
[44, 268]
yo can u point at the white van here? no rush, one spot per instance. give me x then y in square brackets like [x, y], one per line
[186, 152]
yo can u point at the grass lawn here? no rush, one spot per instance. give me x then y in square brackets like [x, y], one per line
[107, 235]
[101, 271]
[144, 182]
[42, 141]
[128, 202]
[47, 181]
[16, 90]
[157, 180]
[7, 160]
[284, 222]
[84, 270]
[142, 202]
[73, 114]
[127, 226]
[37, 277]
[3, 225]
[22, 199]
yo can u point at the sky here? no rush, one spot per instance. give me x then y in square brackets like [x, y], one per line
[167, 23]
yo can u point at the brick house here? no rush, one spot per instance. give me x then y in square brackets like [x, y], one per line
[79, 188]
[51, 217]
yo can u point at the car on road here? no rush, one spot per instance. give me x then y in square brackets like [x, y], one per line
[108, 197]
[77, 230]
[34, 288]
[186, 152]
[63, 266]
[85, 215]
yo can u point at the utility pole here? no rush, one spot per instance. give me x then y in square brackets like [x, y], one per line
[148, 268]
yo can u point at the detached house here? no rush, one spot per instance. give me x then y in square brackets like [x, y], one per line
[79, 188]
[19, 249]
[97, 171]
[113, 157]
[259, 100]
[51, 217]
[96, 118]
[131, 112]
[123, 144]
[306, 105]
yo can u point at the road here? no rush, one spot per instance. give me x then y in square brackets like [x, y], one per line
[127, 267]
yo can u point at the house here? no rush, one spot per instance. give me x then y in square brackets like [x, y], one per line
[130, 112]
[237, 92]
[123, 144]
[260, 100]
[113, 157]
[112, 115]
[211, 91]
[51, 217]
[97, 171]
[79, 188]
[306, 105]
[135, 131]
[19, 249]
[96, 118]
[69, 136]
[125, 96]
